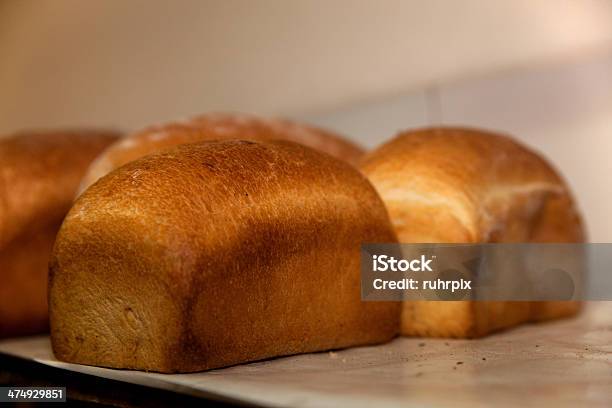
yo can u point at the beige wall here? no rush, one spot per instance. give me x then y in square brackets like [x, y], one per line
[539, 69]
[132, 62]
[562, 110]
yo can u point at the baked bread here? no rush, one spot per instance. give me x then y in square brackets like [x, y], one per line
[39, 175]
[453, 185]
[218, 126]
[217, 253]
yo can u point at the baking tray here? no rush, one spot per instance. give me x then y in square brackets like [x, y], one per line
[563, 363]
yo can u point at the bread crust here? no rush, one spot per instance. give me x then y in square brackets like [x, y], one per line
[217, 253]
[39, 174]
[460, 185]
[219, 126]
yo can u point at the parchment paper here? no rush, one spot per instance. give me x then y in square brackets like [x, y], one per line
[564, 363]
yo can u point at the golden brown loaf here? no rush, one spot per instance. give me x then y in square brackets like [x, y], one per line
[452, 185]
[218, 127]
[217, 253]
[39, 175]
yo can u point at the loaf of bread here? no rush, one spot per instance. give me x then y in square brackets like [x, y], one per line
[217, 253]
[218, 127]
[452, 185]
[39, 175]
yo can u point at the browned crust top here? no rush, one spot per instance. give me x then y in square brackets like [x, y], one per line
[234, 187]
[219, 126]
[480, 179]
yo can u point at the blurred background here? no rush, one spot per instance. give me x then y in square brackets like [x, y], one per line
[539, 69]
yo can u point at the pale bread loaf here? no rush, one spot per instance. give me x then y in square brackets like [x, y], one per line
[454, 185]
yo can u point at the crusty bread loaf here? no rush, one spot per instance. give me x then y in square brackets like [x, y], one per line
[39, 175]
[217, 253]
[452, 185]
[218, 126]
